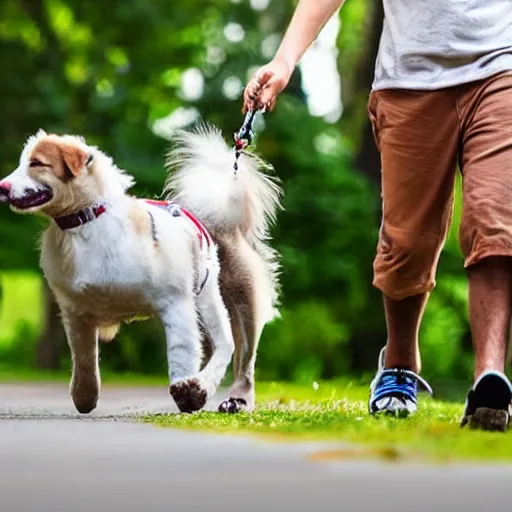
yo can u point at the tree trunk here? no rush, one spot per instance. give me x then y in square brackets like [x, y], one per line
[368, 158]
[53, 338]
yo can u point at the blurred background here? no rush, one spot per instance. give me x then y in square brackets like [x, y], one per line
[124, 74]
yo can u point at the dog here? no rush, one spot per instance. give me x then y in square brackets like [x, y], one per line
[200, 260]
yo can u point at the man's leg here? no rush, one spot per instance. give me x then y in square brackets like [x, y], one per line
[490, 307]
[403, 319]
[486, 241]
[417, 135]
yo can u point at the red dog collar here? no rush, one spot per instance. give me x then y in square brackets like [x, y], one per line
[81, 217]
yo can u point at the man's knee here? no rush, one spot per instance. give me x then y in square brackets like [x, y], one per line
[406, 262]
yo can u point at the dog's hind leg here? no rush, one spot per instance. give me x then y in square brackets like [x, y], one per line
[241, 285]
[82, 335]
[247, 334]
[183, 353]
[246, 294]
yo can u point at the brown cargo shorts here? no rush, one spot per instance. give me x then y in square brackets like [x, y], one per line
[422, 136]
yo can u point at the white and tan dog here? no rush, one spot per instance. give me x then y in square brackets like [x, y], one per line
[203, 267]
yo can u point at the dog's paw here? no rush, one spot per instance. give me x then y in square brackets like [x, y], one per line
[85, 392]
[85, 406]
[234, 405]
[189, 395]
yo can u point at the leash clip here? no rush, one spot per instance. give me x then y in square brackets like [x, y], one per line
[244, 137]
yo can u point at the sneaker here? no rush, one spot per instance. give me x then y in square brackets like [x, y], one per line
[489, 403]
[393, 390]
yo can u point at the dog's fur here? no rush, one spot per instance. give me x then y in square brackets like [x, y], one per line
[137, 260]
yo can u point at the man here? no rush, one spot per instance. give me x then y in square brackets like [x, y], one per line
[442, 96]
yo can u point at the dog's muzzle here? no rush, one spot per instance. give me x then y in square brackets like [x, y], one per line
[31, 198]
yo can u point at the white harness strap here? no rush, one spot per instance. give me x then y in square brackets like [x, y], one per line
[205, 240]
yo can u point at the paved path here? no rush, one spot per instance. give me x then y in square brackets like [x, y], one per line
[51, 459]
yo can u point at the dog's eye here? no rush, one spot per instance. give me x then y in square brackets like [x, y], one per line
[38, 163]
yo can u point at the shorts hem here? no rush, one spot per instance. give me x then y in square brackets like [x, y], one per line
[483, 254]
[403, 293]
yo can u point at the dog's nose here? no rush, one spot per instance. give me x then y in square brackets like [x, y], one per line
[5, 188]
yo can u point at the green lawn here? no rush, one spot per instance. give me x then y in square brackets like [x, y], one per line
[338, 412]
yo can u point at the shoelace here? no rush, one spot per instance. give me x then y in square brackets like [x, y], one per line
[397, 381]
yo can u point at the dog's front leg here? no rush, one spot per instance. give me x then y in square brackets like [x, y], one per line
[184, 353]
[216, 322]
[82, 335]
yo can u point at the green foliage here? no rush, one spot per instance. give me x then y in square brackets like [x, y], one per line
[303, 344]
[118, 76]
[21, 316]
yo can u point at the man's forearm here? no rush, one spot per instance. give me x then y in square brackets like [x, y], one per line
[308, 19]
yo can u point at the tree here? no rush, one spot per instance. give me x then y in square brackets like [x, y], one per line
[124, 74]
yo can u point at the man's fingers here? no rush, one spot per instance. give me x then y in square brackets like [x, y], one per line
[261, 77]
[268, 95]
[251, 94]
[253, 89]
[270, 105]
[249, 105]
[261, 91]
[249, 100]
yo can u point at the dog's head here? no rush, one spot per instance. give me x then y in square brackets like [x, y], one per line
[48, 166]
[59, 174]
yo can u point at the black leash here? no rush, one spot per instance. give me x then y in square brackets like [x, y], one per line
[244, 137]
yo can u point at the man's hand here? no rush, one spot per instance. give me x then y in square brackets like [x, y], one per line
[266, 84]
[269, 81]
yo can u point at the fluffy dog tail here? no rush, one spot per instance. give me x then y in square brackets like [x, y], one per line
[202, 180]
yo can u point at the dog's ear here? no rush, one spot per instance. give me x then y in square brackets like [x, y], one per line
[74, 158]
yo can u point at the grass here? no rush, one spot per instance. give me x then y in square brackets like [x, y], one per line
[338, 412]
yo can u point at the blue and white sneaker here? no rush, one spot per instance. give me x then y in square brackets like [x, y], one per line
[489, 403]
[393, 391]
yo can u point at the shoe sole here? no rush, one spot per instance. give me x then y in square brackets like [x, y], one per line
[398, 413]
[491, 420]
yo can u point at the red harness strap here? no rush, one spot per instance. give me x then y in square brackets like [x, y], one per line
[169, 205]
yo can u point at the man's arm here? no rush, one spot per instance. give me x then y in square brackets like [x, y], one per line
[267, 83]
[308, 19]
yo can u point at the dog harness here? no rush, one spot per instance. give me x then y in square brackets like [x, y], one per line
[176, 210]
[205, 240]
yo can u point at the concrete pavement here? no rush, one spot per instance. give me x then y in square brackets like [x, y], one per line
[52, 459]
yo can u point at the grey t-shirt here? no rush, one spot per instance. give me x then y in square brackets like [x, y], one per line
[431, 44]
